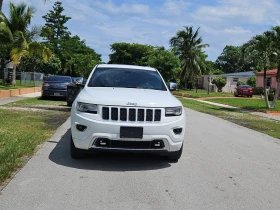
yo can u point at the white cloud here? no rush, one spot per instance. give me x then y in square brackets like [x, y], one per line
[239, 11]
[236, 30]
[175, 7]
[124, 8]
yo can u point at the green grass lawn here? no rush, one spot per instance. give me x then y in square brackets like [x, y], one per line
[4, 86]
[261, 124]
[20, 134]
[204, 94]
[247, 103]
[38, 101]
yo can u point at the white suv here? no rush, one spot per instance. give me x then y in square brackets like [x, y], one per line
[127, 108]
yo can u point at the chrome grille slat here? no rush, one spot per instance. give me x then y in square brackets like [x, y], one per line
[131, 114]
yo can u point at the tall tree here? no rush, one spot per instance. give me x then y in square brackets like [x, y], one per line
[129, 53]
[165, 62]
[275, 34]
[230, 59]
[16, 36]
[55, 22]
[260, 47]
[188, 46]
[71, 50]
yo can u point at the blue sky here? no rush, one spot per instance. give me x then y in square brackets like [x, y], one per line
[154, 22]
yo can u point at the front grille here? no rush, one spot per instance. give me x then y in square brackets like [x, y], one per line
[131, 114]
[118, 144]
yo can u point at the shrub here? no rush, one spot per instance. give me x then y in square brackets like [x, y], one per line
[240, 83]
[258, 91]
[252, 81]
[220, 83]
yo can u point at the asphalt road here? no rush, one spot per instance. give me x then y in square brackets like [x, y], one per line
[224, 166]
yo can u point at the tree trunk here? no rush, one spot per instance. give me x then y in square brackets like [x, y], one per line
[1, 4]
[265, 88]
[14, 82]
[276, 95]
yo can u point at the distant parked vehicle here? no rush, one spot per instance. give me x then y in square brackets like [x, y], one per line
[77, 79]
[56, 86]
[243, 90]
[73, 90]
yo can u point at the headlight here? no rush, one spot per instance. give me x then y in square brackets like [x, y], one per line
[173, 111]
[89, 108]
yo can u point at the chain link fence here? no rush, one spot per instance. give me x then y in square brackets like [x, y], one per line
[31, 79]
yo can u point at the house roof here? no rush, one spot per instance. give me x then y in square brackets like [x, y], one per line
[239, 74]
[268, 72]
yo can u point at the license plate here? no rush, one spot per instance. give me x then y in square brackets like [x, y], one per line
[131, 132]
[56, 94]
[245, 90]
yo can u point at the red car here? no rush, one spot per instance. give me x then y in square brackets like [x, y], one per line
[243, 90]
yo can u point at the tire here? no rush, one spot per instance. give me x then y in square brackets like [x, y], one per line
[44, 97]
[75, 153]
[175, 156]
[69, 103]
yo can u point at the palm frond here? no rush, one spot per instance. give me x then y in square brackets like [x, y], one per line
[20, 39]
[16, 54]
[6, 36]
[34, 33]
[37, 48]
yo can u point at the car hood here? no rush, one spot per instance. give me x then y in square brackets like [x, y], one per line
[127, 97]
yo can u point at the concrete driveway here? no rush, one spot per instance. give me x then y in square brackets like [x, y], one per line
[224, 166]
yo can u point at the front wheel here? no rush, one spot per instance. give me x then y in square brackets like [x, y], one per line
[175, 156]
[75, 153]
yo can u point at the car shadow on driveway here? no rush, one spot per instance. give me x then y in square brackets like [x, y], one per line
[105, 161]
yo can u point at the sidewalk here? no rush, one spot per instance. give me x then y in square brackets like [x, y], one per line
[261, 114]
[18, 98]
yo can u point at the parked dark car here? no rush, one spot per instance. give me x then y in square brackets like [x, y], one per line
[56, 86]
[243, 90]
[77, 79]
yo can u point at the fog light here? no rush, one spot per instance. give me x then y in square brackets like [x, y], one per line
[177, 131]
[157, 144]
[102, 142]
[81, 127]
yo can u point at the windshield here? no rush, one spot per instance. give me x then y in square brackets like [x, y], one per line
[126, 78]
[59, 79]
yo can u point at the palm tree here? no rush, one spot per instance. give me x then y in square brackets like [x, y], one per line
[16, 36]
[275, 34]
[1, 4]
[188, 46]
[260, 47]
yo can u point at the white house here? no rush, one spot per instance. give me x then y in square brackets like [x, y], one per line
[231, 79]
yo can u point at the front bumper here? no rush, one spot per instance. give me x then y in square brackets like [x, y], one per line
[245, 93]
[110, 130]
